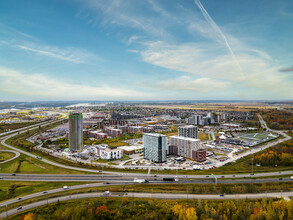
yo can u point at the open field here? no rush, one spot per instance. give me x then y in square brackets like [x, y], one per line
[256, 138]
[5, 156]
[25, 164]
[7, 127]
[215, 106]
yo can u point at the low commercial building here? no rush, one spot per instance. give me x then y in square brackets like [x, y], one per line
[131, 149]
[110, 154]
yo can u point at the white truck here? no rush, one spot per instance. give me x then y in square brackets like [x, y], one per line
[136, 180]
[197, 167]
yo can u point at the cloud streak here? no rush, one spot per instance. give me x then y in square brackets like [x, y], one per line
[73, 55]
[217, 29]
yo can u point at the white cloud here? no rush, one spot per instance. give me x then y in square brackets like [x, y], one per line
[41, 87]
[198, 85]
[206, 61]
[73, 55]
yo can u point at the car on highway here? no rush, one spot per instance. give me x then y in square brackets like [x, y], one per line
[291, 177]
[45, 192]
[19, 198]
[280, 178]
[13, 174]
[65, 187]
[19, 208]
[222, 195]
[107, 183]
[39, 158]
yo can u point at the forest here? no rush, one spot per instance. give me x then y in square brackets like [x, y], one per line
[130, 208]
[280, 155]
[279, 120]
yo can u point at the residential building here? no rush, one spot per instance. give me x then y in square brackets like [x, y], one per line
[188, 131]
[183, 146]
[155, 147]
[75, 132]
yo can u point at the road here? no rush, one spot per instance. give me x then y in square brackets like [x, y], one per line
[144, 195]
[259, 148]
[24, 128]
[17, 154]
[190, 178]
[165, 175]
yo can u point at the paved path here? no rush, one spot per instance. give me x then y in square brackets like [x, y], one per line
[145, 195]
[16, 155]
[161, 175]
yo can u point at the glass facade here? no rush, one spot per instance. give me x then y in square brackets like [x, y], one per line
[75, 132]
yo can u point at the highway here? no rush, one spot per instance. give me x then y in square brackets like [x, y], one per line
[24, 128]
[187, 178]
[17, 154]
[144, 195]
[163, 175]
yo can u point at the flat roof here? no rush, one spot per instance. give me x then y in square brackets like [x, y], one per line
[155, 134]
[184, 138]
[130, 148]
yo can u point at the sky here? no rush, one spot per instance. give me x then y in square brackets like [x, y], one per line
[146, 50]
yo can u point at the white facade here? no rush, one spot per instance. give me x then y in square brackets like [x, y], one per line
[185, 145]
[155, 147]
[188, 131]
[110, 154]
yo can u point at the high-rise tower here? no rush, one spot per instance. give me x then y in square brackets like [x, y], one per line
[75, 132]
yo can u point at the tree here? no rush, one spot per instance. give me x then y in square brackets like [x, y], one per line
[29, 216]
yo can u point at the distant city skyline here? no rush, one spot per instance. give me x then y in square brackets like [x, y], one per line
[146, 50]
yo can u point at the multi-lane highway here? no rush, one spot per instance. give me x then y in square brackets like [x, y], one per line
[147, 175]
[143, 195]
[242, 178]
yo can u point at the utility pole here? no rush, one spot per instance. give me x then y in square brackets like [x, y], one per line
[252, 166]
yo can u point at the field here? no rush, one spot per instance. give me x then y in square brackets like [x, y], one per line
[7, 127]
[5, 156]
[256, 138]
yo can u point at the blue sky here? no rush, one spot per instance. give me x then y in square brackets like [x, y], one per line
[146, 50]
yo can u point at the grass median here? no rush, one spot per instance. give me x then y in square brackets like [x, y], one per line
[171, 188]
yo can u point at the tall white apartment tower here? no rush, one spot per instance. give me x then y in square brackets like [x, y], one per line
[155, 147]
[188, 131]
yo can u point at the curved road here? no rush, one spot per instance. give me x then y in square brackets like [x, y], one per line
[144, 195]
[137, 174]
[17, 154]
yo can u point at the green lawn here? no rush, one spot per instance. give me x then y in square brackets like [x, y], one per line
[26, 164]
[10, 189]
[5, 156]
